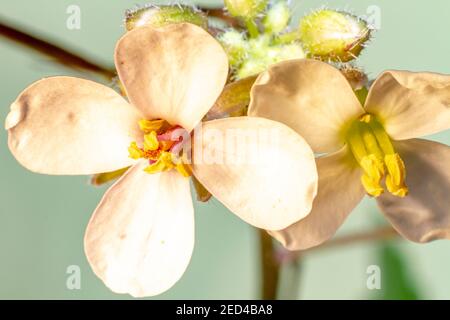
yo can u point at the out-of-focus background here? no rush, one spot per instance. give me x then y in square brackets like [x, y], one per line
[43, 218]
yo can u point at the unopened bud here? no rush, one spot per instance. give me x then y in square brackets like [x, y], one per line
[277, 18]
[235, 46]
[262, 57]
[355, 76]
[246, 9]
[333, 35]
[164, 15]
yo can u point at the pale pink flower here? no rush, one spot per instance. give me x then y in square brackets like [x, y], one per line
[370, 148]
[141, 236]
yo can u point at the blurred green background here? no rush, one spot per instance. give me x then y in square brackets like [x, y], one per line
[43, 218]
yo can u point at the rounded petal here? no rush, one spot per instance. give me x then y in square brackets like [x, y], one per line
[424, 214]
[411, 104]
[340, 190]
[311, 97]
[175, 73]
[141, 236]
[260, 169]
[65, 125]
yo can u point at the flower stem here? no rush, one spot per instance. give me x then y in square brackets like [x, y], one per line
[287, 38]
[252, 28]
[270, 267]
[219, 13]
[382, 233]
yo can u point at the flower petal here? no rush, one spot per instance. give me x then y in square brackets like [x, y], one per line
[411, 104]
[175, 73]
[340, 190]
[311, 97]
[65, 125]
[260, 169]
[424, 214]
[141, 236]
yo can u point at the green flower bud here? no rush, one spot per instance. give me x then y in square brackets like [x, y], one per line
[262, 57]
[164, 15]
[246, 9]
[235, 46]
[333, 35]
[257, 47]
[277, 17]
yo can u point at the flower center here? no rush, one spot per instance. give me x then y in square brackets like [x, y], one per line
[163, 147]
[373, 150]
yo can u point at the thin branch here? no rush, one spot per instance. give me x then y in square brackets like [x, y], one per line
[61, 55]
[383, 233]
[270, 267]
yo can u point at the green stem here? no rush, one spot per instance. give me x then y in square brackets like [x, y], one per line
[287, 38]
[252, 28]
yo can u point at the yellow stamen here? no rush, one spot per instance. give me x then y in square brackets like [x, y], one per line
[382, 137]
[151, 142]
[134, 151]
[373, 187]
[151, 125]
[374, 171]
[158, 153]
[164, 163]
[395, 180]
[374, 152]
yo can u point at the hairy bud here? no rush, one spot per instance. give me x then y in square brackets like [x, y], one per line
[333, 35]
[277, 18]
[246, 9]
[164, 15]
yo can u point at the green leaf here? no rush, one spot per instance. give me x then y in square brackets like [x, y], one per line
[397, 282]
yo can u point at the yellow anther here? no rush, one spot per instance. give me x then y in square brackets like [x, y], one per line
[158, 153]
[134, 151]
[374, 172]
[365, 118]
[151, 142]
[151, 125]
[373, 167]
[395, 180]
[372, 187]
[164, 163]
[374, 152]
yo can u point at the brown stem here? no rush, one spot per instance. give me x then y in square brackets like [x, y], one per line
[270, 267]
[60, 54]
[292, 260]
